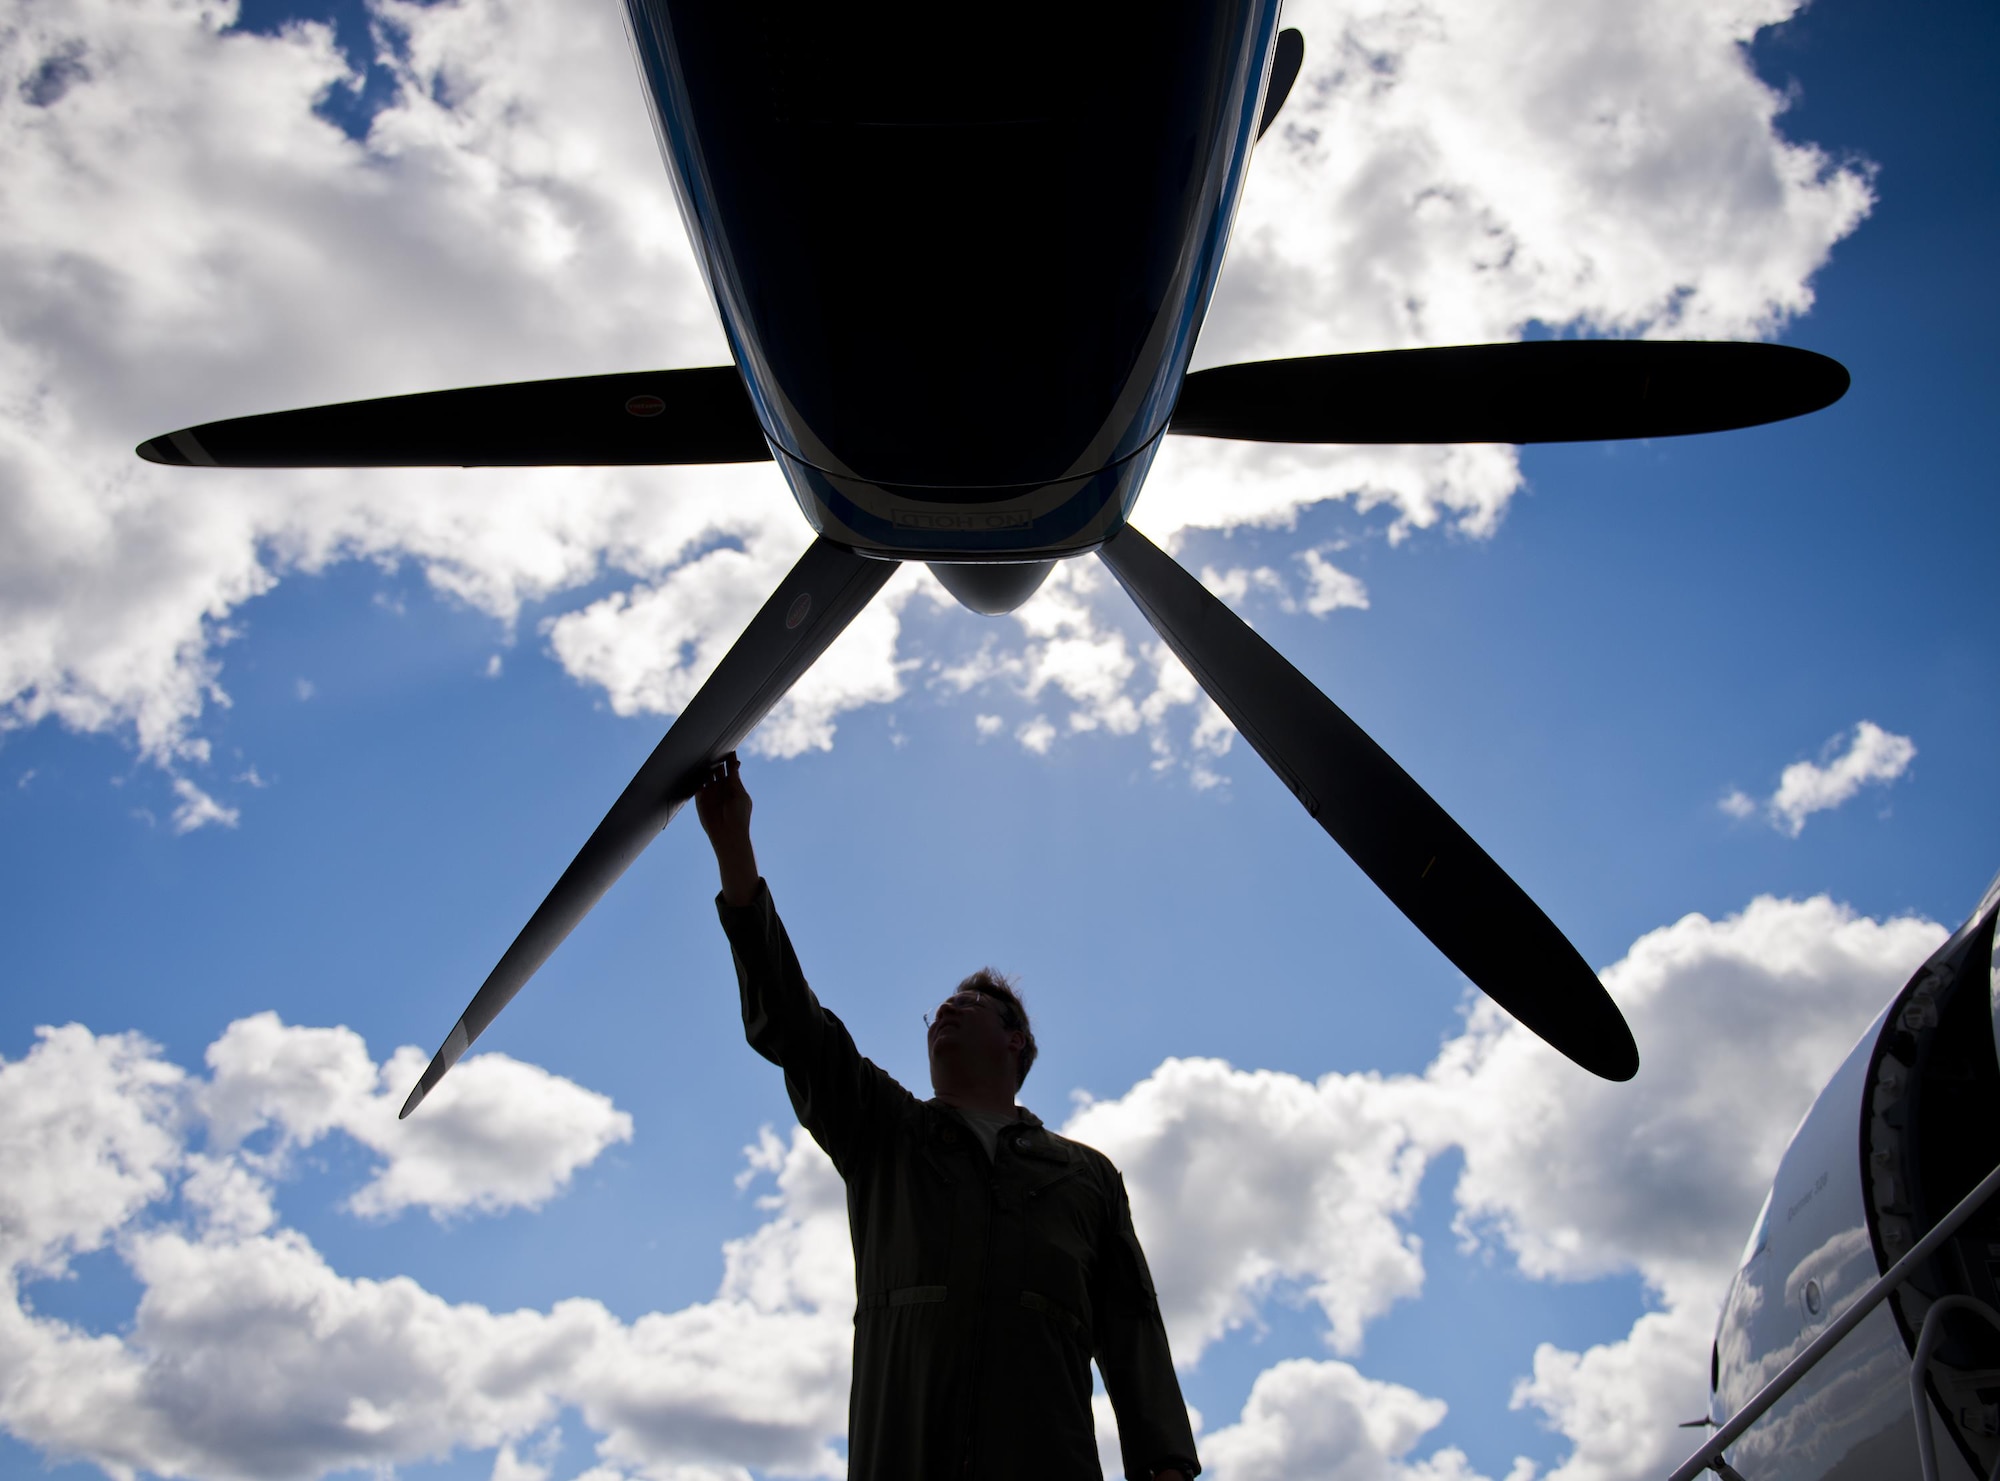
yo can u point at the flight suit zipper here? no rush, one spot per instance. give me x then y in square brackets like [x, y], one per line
[973, 1430]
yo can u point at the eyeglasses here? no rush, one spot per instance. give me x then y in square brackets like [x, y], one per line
[973, 999]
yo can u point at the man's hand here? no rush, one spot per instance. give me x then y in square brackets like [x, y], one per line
[724, 809]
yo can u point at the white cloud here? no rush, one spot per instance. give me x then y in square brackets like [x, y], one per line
[1450, 172]
[1241, 1181]
[509, 1465]
[265, 1072]
[1739, 1022]
[759, 1376]
[1247, 1186]
[1621, 1403]
[651, 648]
[250, 1356]
[1324, 1419]
[495, 1134]
[90, 1139]
[1872, 755]
[1037, 735]
[1077, 648]
[1445, 173]
[166, 209]
[1198, 482]
[1235, 585]
[1581, 1176]
[254, 1358]
[196, 809]
[1453, 172]
[511, 1135]
[1330, 588]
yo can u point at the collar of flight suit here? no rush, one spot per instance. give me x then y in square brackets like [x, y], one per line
[1045, 1155]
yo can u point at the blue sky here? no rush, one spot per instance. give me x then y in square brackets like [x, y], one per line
[435, 684]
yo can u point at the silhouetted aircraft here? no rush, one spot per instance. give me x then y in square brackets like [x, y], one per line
[961, 265]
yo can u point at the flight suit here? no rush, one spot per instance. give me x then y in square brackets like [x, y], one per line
[983, 1289]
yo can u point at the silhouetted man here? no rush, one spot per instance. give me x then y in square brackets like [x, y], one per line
[993, 1259]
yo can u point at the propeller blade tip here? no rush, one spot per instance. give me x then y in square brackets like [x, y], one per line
[1615, 1056]
[177, 450]
[1835, 381]
[455, 1044]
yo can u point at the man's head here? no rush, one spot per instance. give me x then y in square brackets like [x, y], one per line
[980, 1037]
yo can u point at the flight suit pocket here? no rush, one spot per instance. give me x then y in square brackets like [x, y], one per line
[1068, 1322]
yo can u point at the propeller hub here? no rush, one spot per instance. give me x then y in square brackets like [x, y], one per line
[992, 588]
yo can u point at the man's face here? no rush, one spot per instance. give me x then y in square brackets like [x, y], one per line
[969, 1034]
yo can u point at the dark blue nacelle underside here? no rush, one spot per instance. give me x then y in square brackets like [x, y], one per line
[962, 266]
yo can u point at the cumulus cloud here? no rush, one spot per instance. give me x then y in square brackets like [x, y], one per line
[1243, 1180]
[1250, 1185]
[1870, 756]
[1442, 173]
[166, 207]
[495, 1134]
[1581, 1176]
[1236, 584]
[1448, 173]
[1328, 587]
[651, 648]
[1076, 649]
[249, 1356]
[1324, 1419]
[758, 1376]
[90, 1140]
[1621, 1404]
[1740, 1021]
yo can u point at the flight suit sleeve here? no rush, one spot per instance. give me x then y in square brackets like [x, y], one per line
[836, 1093]
[1131, 1351]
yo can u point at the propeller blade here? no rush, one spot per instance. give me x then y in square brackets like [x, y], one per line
[1551, 390]
[646, 416]
[824, 592]
[1426, 864]
[1286, 59]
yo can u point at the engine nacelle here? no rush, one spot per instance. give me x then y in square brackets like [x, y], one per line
[1906, 1127]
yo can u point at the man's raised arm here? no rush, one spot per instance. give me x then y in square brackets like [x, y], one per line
[836, 1093]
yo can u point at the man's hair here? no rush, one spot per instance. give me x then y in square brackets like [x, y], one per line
[997, 985]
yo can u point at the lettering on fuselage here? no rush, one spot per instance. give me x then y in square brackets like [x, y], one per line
[962, 519]
[1811, 1193]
